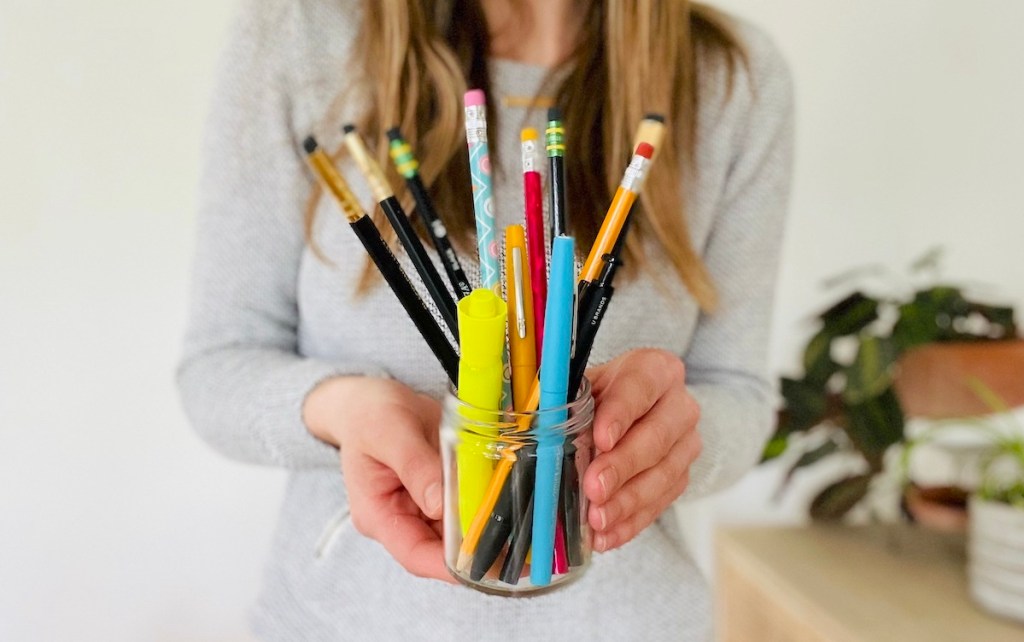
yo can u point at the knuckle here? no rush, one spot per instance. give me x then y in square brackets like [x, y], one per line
[361, 523]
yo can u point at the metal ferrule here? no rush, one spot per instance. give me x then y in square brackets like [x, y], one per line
[529, 148]
[405, 162]
[334, 183]
[636, 173]
[476, 124]
[554, 139]
[379, 184]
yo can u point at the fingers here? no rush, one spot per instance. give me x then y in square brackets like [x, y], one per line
[647, 488]
[631, 526]
[645, 444]
[408, 452]
[414, 545]
[626, 392]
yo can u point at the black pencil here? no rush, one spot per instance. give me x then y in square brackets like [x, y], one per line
[554, 142]
[382, 257]
[407, 165]
[385, 195]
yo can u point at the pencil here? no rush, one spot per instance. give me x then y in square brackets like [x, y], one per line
[554, 138]
[385, 196]
[381, 255]
[533, 199]
[409, 167]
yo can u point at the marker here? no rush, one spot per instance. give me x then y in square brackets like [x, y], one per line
[385, 196]
[405, 162]
[381, 255]
[533, 197]
[512, 500]
[482, 325]
[554, 386]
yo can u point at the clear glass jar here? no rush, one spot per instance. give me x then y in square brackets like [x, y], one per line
[497, 538]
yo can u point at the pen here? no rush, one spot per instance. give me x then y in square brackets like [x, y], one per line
[554, 386]
[554, 138]
[482, 323]
[385, 195]
[407, 165]
[533, 198]
[381, 255]
[521, 315]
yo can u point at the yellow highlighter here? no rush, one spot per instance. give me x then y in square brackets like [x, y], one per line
[522, 347]
[482, 317]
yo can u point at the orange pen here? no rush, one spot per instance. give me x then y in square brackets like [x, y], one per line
[522, 348]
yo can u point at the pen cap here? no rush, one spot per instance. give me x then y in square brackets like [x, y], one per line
[482, 316]
[554, 368]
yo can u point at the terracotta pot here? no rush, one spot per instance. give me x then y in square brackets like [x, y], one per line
[931, 381]
[937, 508]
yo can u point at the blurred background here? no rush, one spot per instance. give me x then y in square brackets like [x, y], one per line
[117, 523]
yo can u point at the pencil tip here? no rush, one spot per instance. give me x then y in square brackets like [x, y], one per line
[309, 144]
[554, 113]
[348, 128]
[655, 117]
[394, 134]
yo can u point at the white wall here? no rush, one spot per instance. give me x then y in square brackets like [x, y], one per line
[117, 524]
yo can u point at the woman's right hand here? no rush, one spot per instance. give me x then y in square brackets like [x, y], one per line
[387, 436]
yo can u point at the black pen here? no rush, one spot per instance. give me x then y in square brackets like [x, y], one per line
[382, 257]
[385, 195]
[407, 165]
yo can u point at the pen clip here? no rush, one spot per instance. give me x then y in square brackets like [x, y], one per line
[517, 275]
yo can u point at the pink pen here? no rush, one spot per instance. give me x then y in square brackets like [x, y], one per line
[534, 199]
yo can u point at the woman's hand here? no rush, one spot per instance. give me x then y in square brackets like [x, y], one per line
[387, 436]
[645, 430]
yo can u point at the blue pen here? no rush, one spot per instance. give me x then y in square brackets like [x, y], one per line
[554, 389]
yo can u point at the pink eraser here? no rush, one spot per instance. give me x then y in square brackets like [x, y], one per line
[474, 98]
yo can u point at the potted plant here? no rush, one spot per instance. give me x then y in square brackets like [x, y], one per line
[996, 551]
[864, 364]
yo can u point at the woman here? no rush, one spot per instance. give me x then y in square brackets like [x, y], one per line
[297, 357]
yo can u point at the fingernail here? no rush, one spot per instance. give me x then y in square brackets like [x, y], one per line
[602, 519]
[433, 498]
[599, 542]
[608, 480]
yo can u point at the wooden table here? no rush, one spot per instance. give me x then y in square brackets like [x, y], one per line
[842, 584]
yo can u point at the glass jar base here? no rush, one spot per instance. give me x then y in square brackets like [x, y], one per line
[494, 586]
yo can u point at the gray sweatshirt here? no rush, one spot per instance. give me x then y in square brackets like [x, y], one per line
[269, 320]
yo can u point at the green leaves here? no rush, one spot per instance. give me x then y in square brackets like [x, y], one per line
[837, 499]
[856, 395]
[870, 374]
[850, 315]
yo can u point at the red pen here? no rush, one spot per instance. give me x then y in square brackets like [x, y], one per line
[534, 198]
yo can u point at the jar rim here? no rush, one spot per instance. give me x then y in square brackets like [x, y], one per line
[578, 414]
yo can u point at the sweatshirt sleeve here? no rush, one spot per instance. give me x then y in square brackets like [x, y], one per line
[241, 379]
[727, 363]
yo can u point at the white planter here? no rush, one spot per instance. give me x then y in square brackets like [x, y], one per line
[996, 554]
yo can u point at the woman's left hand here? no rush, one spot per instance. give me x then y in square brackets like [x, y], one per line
[645, 430]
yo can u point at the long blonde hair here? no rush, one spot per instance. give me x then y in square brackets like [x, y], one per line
[417, 61]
